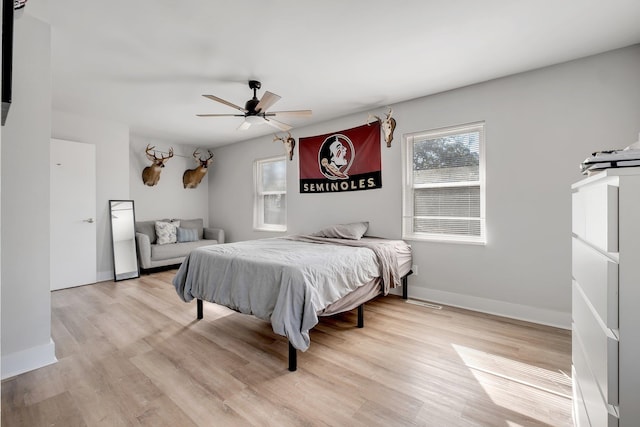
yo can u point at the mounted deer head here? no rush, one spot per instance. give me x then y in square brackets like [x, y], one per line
[388, 125]
[289, 143]
[151, 174]
[192, 177]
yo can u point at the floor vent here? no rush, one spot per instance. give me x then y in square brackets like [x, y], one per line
[424, 304]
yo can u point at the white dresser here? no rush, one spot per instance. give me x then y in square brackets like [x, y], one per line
[606, 299]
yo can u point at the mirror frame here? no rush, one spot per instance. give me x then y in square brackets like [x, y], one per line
[129, 274]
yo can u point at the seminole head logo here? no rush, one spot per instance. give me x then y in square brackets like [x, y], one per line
[335, 157]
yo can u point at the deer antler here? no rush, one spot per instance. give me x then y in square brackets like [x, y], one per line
[150, 156]
[170, 154]
[196, 156]
[153, 157]
[371, 116]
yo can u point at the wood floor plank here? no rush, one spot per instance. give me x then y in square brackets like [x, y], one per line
[307, 394]
[258, 410]
[132, 353]
[375, 393]
[58, 410]
[187, 392]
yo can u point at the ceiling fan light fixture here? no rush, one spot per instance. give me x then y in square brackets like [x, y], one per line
[254, 120]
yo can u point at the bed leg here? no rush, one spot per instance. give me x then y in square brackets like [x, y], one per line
[200, 316]
[293, 358]
[361, 316]
[405, 288]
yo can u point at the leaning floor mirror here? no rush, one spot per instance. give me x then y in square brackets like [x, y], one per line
[123, 240]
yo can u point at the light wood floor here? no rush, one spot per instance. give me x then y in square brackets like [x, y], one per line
[131, 353]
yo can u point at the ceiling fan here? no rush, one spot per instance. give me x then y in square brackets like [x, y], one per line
[255, 110]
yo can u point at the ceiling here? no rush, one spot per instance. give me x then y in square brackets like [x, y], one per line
[147, 63]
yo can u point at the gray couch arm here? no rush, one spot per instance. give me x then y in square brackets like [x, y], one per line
[144, 250]
[214, 234]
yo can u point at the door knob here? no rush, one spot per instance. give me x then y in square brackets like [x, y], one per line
[90, 220]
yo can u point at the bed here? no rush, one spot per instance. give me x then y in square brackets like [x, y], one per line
[290, 281]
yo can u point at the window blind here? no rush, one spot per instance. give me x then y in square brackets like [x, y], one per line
[270, 206]
[445, 181]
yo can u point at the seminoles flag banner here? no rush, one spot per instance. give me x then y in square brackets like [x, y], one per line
[347, 160]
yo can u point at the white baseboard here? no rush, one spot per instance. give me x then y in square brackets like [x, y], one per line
[27, 360]
[558, 319]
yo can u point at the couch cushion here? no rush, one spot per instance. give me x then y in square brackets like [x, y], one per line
[197, 224]
[177, 250]
[186, 235]
[166, 232]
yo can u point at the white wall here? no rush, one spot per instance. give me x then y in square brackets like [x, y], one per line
[111, 140]
[168, 198]
[26, 300]
[539, 126]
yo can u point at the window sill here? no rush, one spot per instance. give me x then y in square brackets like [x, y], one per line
[272, 228]
[464, 240]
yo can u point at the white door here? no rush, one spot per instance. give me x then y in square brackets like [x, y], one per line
[73, 214]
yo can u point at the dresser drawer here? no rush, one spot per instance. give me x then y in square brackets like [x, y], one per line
[591, 400]
[597, 276]
[595, 215]
[602, 357]
[580, 417]
[578, 214]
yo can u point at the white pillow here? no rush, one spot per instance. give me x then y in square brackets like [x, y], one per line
[353, 231]
[166, 232]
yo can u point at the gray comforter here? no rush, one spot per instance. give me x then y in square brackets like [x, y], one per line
[286, 280]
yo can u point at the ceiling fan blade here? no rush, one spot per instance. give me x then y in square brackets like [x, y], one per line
[277, 124]
[267, 100]
[297, 113]
[220, 115]
[222, 101]
[244, 125]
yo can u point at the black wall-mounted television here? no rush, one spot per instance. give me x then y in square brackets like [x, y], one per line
[7, 56]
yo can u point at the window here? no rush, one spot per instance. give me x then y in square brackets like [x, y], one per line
[444, 192]
[270, 204]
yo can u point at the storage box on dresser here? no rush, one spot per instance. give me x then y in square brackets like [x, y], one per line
[606, 299]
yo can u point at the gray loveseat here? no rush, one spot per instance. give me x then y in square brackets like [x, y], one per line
[152, 255]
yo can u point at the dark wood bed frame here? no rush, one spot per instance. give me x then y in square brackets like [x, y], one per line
[293, 355]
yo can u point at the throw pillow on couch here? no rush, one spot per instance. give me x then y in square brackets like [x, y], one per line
[166, 232]
[187, 235]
